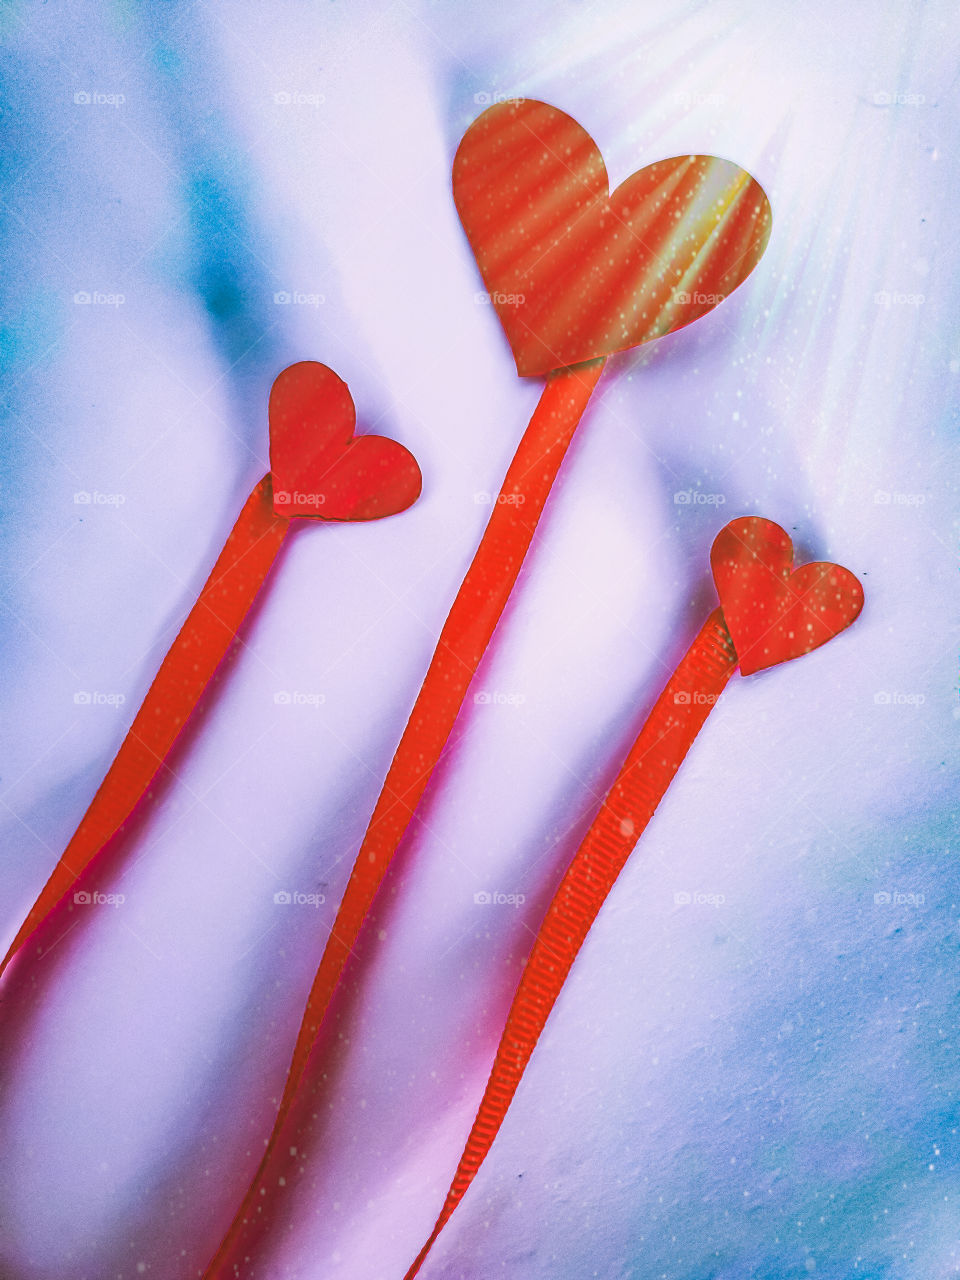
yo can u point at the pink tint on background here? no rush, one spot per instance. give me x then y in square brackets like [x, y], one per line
[716, 1073]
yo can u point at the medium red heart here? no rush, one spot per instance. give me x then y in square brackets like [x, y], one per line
[771, 613]
[575, 272]
[319, 467]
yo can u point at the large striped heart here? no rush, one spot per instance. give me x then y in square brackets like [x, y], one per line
[575, 272]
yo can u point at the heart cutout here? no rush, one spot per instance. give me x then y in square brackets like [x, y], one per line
[319, 466]
[774, 612]
[575, 272]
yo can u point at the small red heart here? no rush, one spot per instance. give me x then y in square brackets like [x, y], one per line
[575, 272]
[319, 467]
[771, 613]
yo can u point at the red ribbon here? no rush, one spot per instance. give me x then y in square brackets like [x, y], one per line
[654, 758]
[190, 663]
[776, 613]
[463, 641]
[313, 447]
[575, 273]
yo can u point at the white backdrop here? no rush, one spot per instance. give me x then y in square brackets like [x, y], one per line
[765, 1088]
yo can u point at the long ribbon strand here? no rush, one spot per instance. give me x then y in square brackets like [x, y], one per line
[462, 644]
[648, 770]
[196, 652]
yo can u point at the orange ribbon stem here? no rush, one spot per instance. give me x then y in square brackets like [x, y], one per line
[199, 647]
[654, 758]
[462, 644]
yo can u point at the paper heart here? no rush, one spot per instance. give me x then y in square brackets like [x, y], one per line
[774, 614]
[319, 467]
[575, 272]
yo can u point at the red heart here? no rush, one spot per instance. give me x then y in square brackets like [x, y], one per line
[575, 272]
[319, 467]
[771, 613]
